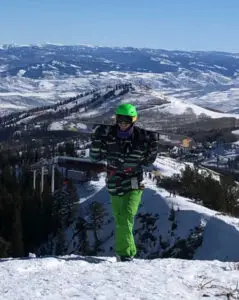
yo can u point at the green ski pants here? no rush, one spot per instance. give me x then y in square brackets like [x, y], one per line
[124, 210]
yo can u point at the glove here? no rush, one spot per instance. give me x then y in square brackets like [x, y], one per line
[111, 169]
[128, 170]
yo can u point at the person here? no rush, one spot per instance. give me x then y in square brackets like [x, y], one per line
[126, 148]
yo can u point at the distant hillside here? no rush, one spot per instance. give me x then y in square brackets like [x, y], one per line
[32, 76]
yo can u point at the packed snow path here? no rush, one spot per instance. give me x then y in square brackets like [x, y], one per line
[101, 278]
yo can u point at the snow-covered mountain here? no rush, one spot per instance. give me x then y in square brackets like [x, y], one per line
[211, 273]
[43, 60]
[165, 226]
[156, 111]
[43, 74]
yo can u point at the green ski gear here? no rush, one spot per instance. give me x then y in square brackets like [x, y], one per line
[124, 210]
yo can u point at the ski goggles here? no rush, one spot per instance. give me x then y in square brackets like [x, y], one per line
[125, 119]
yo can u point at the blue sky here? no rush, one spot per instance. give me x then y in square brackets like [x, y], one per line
[166, 24]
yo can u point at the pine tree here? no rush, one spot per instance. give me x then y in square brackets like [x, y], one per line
[17, 232]
[97, 216]
[70, 149]
[60, 248]
[230, 193]
[72, 199]
[172, 214]
[5, 248]
[82, 228]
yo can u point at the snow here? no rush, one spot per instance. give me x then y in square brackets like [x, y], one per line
[25, 120]
[176, 106]
[220, 67]
[236, 132]
[184, 90]
[45, 84]
[56, 125]
[169, 166]
[163, 61]
[82, 100]
[221, 234]
[212, 273]
[21, 72]
[197, 80]
[225, 100]
[77, 277]
[61, 125]
[9, 105]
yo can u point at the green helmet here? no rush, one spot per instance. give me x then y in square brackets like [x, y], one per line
[126, 109]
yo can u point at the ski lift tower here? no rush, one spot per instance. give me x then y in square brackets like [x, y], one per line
[42, 167]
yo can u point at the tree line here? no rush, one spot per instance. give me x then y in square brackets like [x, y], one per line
[61, 112]
[220, 194]
[27, 216]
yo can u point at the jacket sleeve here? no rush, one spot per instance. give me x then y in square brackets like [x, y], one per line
[98, 145]
[152, 149]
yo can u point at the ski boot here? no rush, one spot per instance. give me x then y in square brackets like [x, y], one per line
[124, 258]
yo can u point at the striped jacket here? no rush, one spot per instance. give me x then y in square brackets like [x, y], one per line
[124, 157]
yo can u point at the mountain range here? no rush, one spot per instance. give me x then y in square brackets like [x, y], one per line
[36, 75]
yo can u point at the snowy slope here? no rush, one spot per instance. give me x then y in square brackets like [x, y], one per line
[220, 233]
[168, 166]
[226, 101]
[26, 92]
[212, 273]
[156, 111]
[76, 277]
[178, 107]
